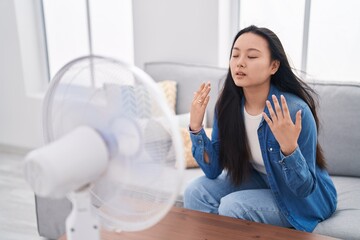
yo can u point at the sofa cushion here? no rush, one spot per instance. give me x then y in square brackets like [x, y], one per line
[339, 114]
[345, 222]
[184, 120]
[189, 176]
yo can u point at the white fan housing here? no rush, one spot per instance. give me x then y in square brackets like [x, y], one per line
[108, 131]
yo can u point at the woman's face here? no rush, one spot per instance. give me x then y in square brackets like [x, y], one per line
[250, 62]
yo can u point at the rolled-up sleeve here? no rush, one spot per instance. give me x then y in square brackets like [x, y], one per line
[201, 144]
[298, 167]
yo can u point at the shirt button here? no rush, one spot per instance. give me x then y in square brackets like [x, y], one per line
[199, 141]
[270, 149]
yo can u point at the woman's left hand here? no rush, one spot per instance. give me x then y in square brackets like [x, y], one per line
[281, 125]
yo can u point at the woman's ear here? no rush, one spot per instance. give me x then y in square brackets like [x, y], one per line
[275, 64]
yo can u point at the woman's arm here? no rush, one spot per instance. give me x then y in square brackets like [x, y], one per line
[206, 151]
[297, 143]
[299, 167]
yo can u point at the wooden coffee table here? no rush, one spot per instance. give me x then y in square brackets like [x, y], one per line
[184, 224]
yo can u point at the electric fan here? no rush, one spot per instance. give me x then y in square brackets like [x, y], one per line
[112, 147]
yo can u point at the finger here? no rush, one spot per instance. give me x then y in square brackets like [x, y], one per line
[207, 90]
[198, 92]
[204, 93]
[206, 101]
[271, 111]
[268, 120]
[298, 120]
[285, 107]
[278, 110]
[201, 87]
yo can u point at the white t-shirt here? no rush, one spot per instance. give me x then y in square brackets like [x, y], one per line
[251, 126]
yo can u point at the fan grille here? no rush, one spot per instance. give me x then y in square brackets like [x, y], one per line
[125, 106]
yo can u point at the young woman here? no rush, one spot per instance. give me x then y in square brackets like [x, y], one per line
[263, 162]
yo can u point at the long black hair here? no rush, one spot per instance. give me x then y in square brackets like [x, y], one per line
[234, 147]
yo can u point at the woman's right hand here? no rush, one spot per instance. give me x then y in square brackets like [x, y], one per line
[198, 106]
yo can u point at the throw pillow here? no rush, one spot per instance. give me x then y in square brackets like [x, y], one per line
[190, 162]
[168, 87]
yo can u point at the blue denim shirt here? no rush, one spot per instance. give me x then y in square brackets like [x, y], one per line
[304, 193]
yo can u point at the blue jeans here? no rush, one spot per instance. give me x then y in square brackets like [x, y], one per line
[252, 200]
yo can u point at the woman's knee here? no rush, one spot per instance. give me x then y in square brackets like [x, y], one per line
[239, 204]
[193, 191]
[253, 205]
[189, 193]
[230, 206]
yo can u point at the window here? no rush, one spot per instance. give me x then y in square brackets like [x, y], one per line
[334, 38]
[68, 36]
[320, 37]
[284, 18]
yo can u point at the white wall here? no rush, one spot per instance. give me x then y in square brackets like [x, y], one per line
[164, 30]
[176, 30]
[20, 114]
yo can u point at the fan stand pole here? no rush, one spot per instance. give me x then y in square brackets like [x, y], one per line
[82, 223]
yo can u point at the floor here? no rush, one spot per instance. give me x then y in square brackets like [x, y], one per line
[17, 204]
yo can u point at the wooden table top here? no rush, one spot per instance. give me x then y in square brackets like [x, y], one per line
[186, 224]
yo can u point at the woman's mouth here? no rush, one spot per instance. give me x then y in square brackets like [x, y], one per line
[240, 74]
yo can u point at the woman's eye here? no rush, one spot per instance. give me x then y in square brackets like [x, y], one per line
[235, 56]
[252, 57]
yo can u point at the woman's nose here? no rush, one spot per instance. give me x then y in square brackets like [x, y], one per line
[241, 63]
